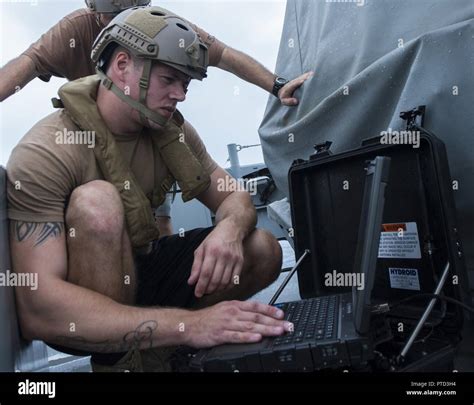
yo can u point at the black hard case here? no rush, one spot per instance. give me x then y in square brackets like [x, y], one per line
[326, 199]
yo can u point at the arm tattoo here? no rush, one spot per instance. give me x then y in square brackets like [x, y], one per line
[24, 230]
[211, 39]
[140, 338]
[52, 229]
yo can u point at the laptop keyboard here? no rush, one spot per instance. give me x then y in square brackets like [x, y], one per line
[313, 319]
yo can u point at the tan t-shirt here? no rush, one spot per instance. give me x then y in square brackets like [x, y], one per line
[43, 173]
[65, 50]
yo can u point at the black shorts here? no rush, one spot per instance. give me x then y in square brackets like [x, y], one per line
[162, 275]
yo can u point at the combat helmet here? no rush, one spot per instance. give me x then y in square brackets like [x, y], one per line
[114, 6]
[151, 34]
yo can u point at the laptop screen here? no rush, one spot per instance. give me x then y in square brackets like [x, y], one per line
[368, 240]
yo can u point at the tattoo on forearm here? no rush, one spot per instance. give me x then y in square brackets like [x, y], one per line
[141, 338]
[24, 230]
[143, 335]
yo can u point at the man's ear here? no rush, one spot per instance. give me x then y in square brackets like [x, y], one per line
[121, 65]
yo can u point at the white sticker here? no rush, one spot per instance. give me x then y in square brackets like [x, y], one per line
[399, 241]
[404, 279]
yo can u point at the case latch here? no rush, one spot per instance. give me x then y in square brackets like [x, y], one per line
[321, 149]
[414, 118]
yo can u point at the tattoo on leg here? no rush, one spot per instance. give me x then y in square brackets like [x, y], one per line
[24, 230]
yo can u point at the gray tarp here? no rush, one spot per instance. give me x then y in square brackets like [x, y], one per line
[359, 46]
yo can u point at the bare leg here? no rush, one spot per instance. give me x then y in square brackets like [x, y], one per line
[262, 266]
[99, 251]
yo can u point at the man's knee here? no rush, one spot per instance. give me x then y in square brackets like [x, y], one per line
[97, 208]
[266, 256]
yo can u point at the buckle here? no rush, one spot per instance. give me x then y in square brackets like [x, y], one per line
[144, 81]
[107, 83]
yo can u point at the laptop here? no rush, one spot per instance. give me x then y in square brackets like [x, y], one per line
[330, 332]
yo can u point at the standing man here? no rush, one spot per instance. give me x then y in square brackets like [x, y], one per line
[65, 49]
[107, 285]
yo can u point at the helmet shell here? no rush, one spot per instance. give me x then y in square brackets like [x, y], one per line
[157, 34]
[114, 6]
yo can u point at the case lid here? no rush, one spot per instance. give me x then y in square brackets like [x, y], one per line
[419, 234]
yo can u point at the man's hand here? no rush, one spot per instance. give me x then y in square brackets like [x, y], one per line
[252, 71]
[218, 260]
[235, 322]
[286, 92]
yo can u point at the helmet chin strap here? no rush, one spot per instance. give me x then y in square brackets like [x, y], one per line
[140, 106]
[144, 84]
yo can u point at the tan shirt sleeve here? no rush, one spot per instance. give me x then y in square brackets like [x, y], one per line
[216, 47]
[64, 50]
[195, 143]
[40, 178]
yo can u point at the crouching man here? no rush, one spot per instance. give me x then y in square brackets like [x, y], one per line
[81, 216]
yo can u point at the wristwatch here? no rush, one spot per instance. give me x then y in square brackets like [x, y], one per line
[278, 84]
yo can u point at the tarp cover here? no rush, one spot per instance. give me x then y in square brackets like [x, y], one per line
[373, 59]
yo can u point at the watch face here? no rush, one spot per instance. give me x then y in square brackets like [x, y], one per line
[278, 84]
